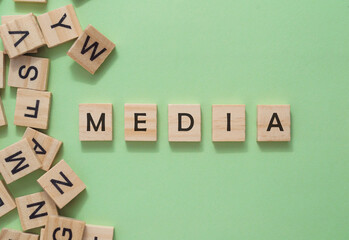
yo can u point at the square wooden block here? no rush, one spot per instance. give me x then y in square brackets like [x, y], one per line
[28, 72]
[140, 122]
[21, 35]
[17, 161]
[3, 121]
[228, 123]
[64, 228]
[91, 49]
[96, 122]
[32, 108]
[2, 69]
[8, 18]
[7, 203]
[9, 234]
[274, 123]
[44, 146]
[61, 184]
[60, 25]
[34, 209]
[93, 232]
[184, 123]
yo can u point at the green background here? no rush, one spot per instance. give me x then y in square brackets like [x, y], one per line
[207, 52]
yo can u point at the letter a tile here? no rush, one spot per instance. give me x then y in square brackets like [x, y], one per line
[44, 146]
[61, 184]
[33, 210]
[17, 161]
[21, 35]
[273, 123]
[91, 49]
[184, 123]
[96, 122]
[32, 108]
[60, 25]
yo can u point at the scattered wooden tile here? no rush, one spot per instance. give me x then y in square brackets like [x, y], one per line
[21, 35]
[9, 234]
[96, 122]
[91, 49]
[274, 123]
[140, 122]
[28, 72]
[31, 1]
[2, 69]
[61, 184]
[228, 123]
[44, 146]
[93, 232]
[8, 18]
[34, 209]
[7, 203]
[3, 121]
[17, 161]
[32, 108]
[59, 227]
[184, 122]
[60, 25]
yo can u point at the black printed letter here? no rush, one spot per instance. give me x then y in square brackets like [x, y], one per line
[67, 183]
[90, 121]
[278, 123]
[19, 166]
[60, 23]
[94, 45]
[228, 122]
[65, 230]
[136, 128]
[41, 150]
[25, 34]
[28, 72]
[39, 205]
[180, 128]
[35, 109]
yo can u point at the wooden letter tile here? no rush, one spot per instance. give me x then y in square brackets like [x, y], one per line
[96, 122]
[44, 146]
[228, 123]
[8, 18]
[274, 123]
[60, 25]
[93, 232]
[21, 35]
[17, 161]
[9, 234]
[33, 210]
[2, 70]
[140, 122]
[32, 108]
[91, 49]
[7, 203]
[61, 184]
[184, 122]
[63, 228]
[3, 121]
[28, 72]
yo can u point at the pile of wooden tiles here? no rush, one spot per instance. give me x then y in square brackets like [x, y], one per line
[36, 150]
